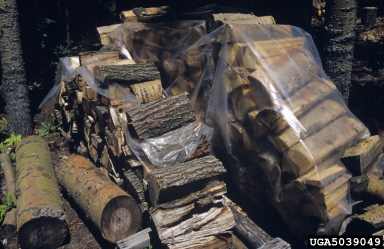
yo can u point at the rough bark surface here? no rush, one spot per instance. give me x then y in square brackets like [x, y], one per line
[127, 74]
[113, 211]
[13, 88]
[174, 182]
[160, 116]
[8, 229]
[339, 43]
[40, 215]
[367, 188]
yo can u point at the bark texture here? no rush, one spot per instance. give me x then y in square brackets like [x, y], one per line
[160, 116]
[13, 88]
[127, 74]
[339, 43]
[40, 215]
[113, 211]
[8, 229]
[174, 182]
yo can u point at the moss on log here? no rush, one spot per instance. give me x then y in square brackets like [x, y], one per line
[40, 215]
[114, 212]
[8, 229]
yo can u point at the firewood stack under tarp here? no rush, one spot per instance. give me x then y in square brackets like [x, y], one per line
[282, 122]
[281, 119]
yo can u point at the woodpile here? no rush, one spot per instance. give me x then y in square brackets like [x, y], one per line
[284, 121]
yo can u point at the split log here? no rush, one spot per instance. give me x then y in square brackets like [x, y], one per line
[203, 15]
[104, 33]
[210, 242]
[303, 99]
[358, 158]
[214, 221]
[320, 177]
[367, 188]
[311, 121]
[367, 223]
[40, 214]
[133, 179]
[203, 149]
[113, 211]
[87, 58]
[160, 116]
[174, 182]
[140, 11]
[8, 228]
[276, 243]
[247, 229]
[236, 18]
[147, 91]
[325, 144]
[137, 241]
[126, 74]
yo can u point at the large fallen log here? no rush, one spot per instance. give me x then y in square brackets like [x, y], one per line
[40, 215]
[174, 182]
[8, 228]
[160, 116]
[113, 211]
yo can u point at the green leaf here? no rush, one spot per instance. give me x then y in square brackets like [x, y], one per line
[9, 200]
[12, 156]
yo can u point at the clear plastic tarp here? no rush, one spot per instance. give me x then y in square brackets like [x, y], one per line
[265, 94]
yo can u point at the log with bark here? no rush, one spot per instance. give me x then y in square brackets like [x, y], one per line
[237, 18]
[247, 230]
[359, 158]
[160, 116]
[87, 58]
[116, 214]
[366, 223]
[8, 228]
[368, 188]
[126, 74]
[40, 214]
[174, 182]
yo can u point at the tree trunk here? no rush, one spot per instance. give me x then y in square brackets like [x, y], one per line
[339, 43]
[40, 214]
[13, 88]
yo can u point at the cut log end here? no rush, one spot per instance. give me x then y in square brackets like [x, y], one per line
[44, 232]
[121, 218]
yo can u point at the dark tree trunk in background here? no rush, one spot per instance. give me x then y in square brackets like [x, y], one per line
[340, 20]
[13, 88]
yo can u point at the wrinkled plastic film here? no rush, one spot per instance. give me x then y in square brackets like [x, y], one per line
[263, 89]
[171, 148]
[66, 71]
[113, 91]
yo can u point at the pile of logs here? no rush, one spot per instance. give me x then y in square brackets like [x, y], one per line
[283, 120]
[181, 197]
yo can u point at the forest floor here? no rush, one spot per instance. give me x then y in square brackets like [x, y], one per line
[84, 235]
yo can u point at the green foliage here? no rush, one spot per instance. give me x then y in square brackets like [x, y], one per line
[6, 207]
[47, 130]
[3, 124]
[13, 140]
[149, 247]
